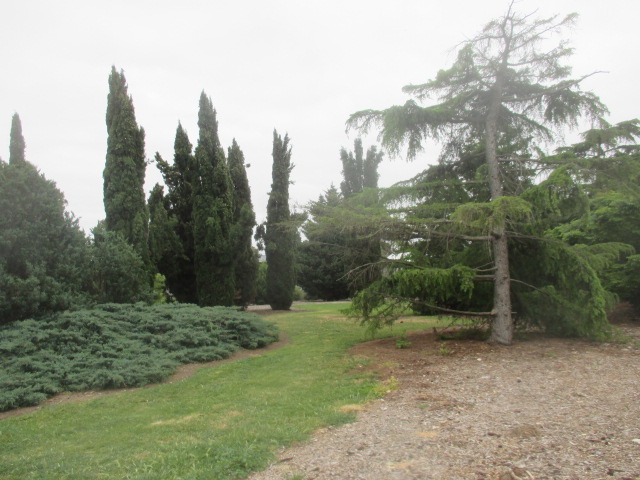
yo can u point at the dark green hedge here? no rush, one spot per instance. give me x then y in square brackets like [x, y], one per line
[116, 345]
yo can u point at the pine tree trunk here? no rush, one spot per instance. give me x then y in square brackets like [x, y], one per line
[502, 328]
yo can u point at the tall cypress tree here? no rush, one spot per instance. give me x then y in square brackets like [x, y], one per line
[212, 214]
[280, 235]
[124, 199]
[16, 142]
[244, 219]
[179, 178]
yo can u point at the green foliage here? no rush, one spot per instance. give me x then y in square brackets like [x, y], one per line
[261, 284]
[502, 94]
[386, 299]
[568, 300]
[160, 292]
[124, 199]
[280, 233]
[179, 178]
[322, 258]
[212, 214]
[118, 273]
[624, 279]
[402, 341]
[16, 141]
[164, 243]
[244, 219]
[44, 255]
[341, 252]
[359, 172]
[486, 217]
[115, 346]
[299, 294]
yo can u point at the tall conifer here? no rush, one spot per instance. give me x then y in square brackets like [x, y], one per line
[280, 235]
[212, 214]
[124, 199]
[16, 141]
[179, 178]
[244, 219]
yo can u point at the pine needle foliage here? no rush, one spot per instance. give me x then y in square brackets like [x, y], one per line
[384, 300]
[116, 346]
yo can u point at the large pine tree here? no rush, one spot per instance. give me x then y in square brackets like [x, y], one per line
[244, 219]
[124, 199]
[506, 85]
[212, 214]
[280, 235]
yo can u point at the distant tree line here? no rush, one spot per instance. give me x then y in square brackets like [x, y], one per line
[192, 243]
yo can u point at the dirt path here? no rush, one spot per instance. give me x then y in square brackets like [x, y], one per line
[541, 409]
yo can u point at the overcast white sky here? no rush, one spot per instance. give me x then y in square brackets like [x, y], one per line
[300, 67]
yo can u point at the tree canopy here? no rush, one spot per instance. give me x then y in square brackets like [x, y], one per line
[124, 172]
[505, 92]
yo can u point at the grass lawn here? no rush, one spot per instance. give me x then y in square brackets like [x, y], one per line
[223, 422]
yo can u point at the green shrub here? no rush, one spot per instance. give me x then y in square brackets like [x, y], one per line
[117, 345]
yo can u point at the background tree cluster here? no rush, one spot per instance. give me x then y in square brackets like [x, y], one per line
[337, 253]
[198, 235]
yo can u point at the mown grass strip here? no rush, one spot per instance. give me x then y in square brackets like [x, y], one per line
[221, 423]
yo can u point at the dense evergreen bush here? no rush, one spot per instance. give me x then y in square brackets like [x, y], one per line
[116, 345]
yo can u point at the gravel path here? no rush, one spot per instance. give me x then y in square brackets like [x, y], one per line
[541, 409]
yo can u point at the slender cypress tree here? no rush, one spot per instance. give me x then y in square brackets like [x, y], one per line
[16, 142]
[124, 199]
[244, 219]
[280, 235]
[212, 214]
[179, 178]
